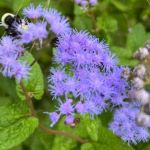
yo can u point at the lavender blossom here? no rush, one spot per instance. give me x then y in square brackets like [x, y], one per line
[54, 117]
[124, 124]
[35, 31]
[21, 71]
[58, 24]
[33, 12]
[69, 119]
[93, 78]
[55, 23]
[66, 107]
[10, 51]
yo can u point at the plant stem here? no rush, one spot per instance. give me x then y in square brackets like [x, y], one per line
[42, 127]
[65, 134]
[29, 100]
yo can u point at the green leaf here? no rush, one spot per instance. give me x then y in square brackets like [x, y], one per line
[5, 3]
[82, 22]
[17, 132]
[120, 6]
[136, 37]
[124, 56]
[91, 126]
[7, 87]
[39, 141]
[19, 147]
[107, 23]
[87, 146]
[78, 10]
[64, 143]
[10, 113]
[35, 84]
[105, 139]
[111, 141]
[17, 5]
[15, 124]
[61, 143]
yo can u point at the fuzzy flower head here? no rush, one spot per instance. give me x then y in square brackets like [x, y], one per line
[88, 72]
[124, 124]
[39, 30]
[35, 31]
[66, 107]
[58, 24]
[10, 51]
[33, 12]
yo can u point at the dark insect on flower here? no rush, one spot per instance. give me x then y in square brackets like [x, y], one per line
[13, 24]
[75, 122]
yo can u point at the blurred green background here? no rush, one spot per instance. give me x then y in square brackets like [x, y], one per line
[125, 26]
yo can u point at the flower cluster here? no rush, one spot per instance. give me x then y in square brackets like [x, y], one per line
[87, 77]
[10, 51]
[125, 125]
[86, 3]
[53, 22]
[12, 47]
[132, 120]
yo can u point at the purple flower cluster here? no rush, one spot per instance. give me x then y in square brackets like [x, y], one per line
[85, 3]
[53, 22]
[10, 50]
[124, 124]
[88, 76]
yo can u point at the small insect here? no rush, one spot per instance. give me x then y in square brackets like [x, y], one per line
[13, 24]
[75, 122]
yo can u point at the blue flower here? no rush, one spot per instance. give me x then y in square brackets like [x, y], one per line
[92, 78]
[54, 117]
[66, 108]
[124, 124]
[33, 12]
[58, 24]
[35, 31]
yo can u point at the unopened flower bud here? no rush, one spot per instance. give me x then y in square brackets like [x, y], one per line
[143, 119]
[146, 108]
[137, 83]
[141, 96]
[139, 71]
[125, 73]
[147, 44]
[141, 53]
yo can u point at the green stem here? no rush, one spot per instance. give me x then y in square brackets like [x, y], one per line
[42, 127]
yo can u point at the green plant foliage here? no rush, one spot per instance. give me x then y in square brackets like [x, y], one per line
[108, 25]
[136, 37]
[100, 137]
[35, 84]
[15, 124]
[10, 113]
[87, 146]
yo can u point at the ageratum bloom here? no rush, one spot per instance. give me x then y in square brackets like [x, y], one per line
[35, 31]
[54, 22]
[87, 72]
[10, 51]
[58, 24]
[124, 124]
[33, 12]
